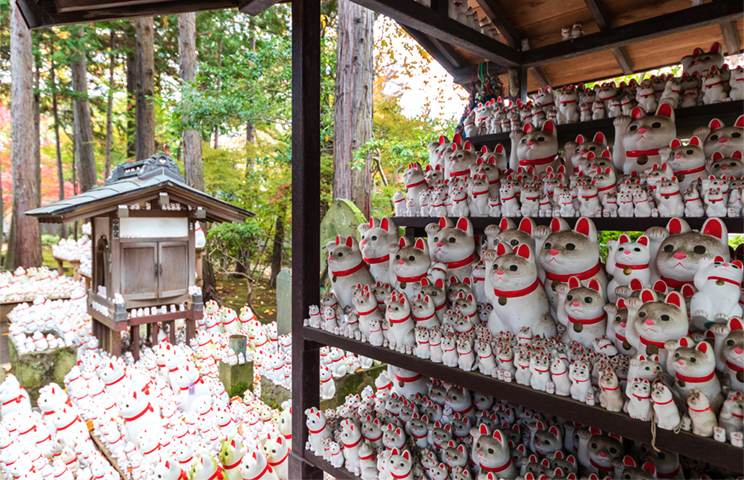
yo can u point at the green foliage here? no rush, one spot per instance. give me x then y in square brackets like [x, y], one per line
[237, 390]
[49, 240]
[607, 235]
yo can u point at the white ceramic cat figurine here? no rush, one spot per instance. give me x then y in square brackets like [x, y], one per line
[639, 404]
[666, 413]
[713, 87]
[700, 60]
[559, 376]
[729, 348]
[399, 202]
[539, 372]
[610, 397]
[398, 315]
[626, 261]
[347, 269]
[415, 182]
[588, 200]
[720, 138]
[718, 282]
[377, 236]
[409, 265]
[494, 206]
[509, 201]
[581, 384]
[694, 368]
[479, 193]
[670, 203]
[534, 148]
[568, 105]
[651, 322]
[513, 288]
[716, 203]
[453, 245]
[639, 137]
[687, 161]
[581, 310]
[701, 413]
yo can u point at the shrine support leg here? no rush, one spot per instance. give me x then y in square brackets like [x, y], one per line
[135, 334]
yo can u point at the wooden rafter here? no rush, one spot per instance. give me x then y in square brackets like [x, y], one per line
[542, 78]
[648, 29]
[254, 7]
[731, 38]
[433, 49]
[437, 24]
[466, 74]
[503, 25]
[602, 17]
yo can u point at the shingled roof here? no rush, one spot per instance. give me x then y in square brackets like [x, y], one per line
[157, 174]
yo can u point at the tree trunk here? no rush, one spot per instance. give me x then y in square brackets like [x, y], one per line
[24, 245]
[250, 164]
[109, 111]
[219, 84]
[83, 125]
[353, 103]
[58, 147]
[192, 148]
[145, 109]
[276, 253]
[131, 64]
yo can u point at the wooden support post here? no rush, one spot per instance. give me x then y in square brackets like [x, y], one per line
[135, 336]
[306, 219]
[523, 84]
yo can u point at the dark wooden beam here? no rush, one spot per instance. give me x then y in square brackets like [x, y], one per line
[432, 48]
[731, 38]
[306, 218]
[667, 24]
[450, 53]
[499, 21]
[44, 13]
[254, 7]
[439, 25]
[542, 78]
[602, 17]
[465, 75]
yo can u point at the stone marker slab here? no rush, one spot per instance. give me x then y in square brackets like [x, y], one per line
[284, 301]
[231, 375]
[36, 369]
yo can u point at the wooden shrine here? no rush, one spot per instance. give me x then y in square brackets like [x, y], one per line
[144, 252]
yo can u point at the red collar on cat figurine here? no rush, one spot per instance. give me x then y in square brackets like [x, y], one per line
[421, 182]
[343, 273]
[517, 293]
[538, 161]
[401, 320]
[671, 474]
[727, 280]
[417, 278]
[423, 319]
[408, 379]
[581, 276]
[638, 153]
[632, 267]
[675, 284]
[461, 263]
[375, 260]
[690, 172]
[600, 467]
[687, 379]
[588, 321]
[461, 173]
[496, 469]
[733, 367]
[646, 341]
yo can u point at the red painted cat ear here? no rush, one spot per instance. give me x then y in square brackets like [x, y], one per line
[500, 249]
[716, 47]
[573, 282]
[439, 283]
[349, 242]
[443, 222]
[643, 240]
[463, 224]
[736, 323]
[694, 141]
[676, 143]
[623, 239]
[555, 225]
[599, 137]
[697, 51]
[739, 121]
[650, 468]
[549, 127]
[635, 284]
[580, 139]
[338, 240]
[647, 295]
[675, 226]
[525, 225]
[637, 112]
[420, 244]
[703, 347]
[385, 224]
[715, 124]
[714, 227]
[590, 156]
[665, 110]
[583, 226]
[554, 430]
[594, 285]
[402, 242]
[660, 286]
[457, 139]
[628, 461]
[524, 251]
[674, 298]
[621, 303]
[467, 282]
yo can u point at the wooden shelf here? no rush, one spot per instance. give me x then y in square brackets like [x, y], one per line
[337, 473]
[622, 224]
[704, 449]
[687, 120]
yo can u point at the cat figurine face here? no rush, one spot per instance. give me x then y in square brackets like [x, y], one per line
[377, 236]
[453, 245]
[601, 450]
[460, 160]
[687, 161]
[433, 175]
[721, 166]
[679, 254]
[660, 321]
[514, 237]
[536, 148]
[400, 464]
[347, 268]
[584, 307]
[733, 348]
[726, 140]
[701, 61]
[410, 262]
[548, 440]
[491, 452]
[644, 135]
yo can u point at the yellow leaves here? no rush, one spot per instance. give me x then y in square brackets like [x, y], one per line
[64, 34]
[165, 20]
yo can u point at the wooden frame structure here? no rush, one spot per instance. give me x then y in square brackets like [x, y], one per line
[655, 27]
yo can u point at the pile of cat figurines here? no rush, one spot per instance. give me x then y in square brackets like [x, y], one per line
[426, 429]
[166, 416]
[705, 80]
[536, 305]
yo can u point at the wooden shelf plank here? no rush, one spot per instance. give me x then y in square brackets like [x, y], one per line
[704, 449]
[687, 119]
[434, 23]
[622, 224]
[337, 473]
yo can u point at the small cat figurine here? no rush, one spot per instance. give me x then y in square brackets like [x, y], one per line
[656, 322]
[713, 87]
[460, 161]
[701, 61]
[529, 198]
[522, 363]
[639, 137]
[645, 96]
[610, 397]
[597, 451]
[409, 264]
[433, 174]
[729, 348]
[478, 195]
[687, 161]
[486, 360]
[730, 416]
[625, 205]
[415, 182]
[494, 206]
[693, 204]
[581, 310]
[491, 452]
[694, 368]
[568, 105]
[719, 287]
[627, 261]
[534, 148]
[398, 315]
[559, 376]
[716, 203]
[639, 405]
[422, 343]
[701, 413]
[580, 148]
[540, 372]
[666, 413]
[347, 269]
[377, 235]
[670, 202]
[581, 384]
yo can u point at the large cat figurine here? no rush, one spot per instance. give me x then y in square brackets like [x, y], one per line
[678, 250]
[534, 148]
[687, 161]
[377, 236]
[347, 269]
[730, 351]
[453, 245]
[626, 261]
[700, 61]
[639, 137]
[652, 322]
[515, 292]
[693, 367]
[720, 138]
[409, 265]
[460, 160]
[581, 311]
[567, 253]
[718, 282]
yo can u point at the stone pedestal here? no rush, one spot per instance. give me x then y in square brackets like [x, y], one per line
[232, 375]
[34, 370]
[284, 301]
